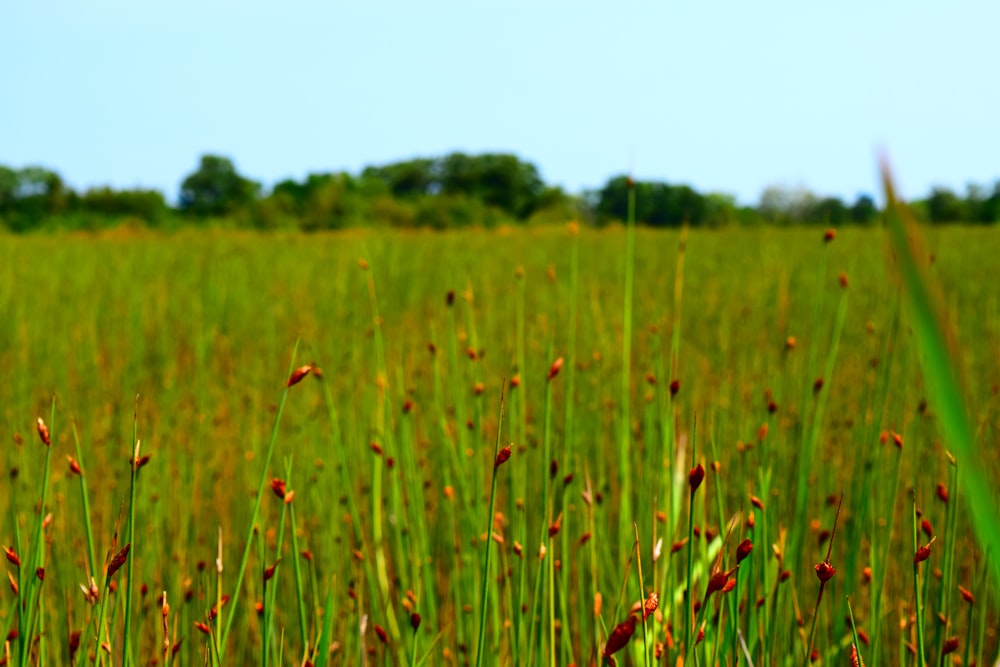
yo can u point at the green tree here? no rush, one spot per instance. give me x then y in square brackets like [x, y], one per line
[943, 205]
[216, 189]
[863, 210]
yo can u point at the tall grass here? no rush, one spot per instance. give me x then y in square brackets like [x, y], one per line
[395, 448]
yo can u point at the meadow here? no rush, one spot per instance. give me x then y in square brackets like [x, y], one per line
[773, 415]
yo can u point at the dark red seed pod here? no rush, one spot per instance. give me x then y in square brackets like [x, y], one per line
[743, 550]
[12, 556]
[298, 374]
[40, 573]
[923, 553]
[449, 298]
[43, 433]
[675, 386]
[756, 502]
[502, 457]
[415, 621]
[966, 594]
[784, 576]
[269, 571]
[925, 526]
[950, 646]
[620, 636]
[825, 571]
[279, 487]
[74, 466]
[829, 235]
[203, 627]
[555, 368]
[383, 636]
[118, 560]
[695, 477]
[942, 493]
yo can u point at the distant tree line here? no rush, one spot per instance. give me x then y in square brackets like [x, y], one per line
[455, 190]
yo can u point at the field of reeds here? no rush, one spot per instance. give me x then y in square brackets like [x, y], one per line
[513, 447]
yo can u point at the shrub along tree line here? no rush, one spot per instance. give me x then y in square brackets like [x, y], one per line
[455, 190]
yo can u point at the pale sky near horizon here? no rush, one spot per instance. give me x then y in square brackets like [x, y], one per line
[725, 96]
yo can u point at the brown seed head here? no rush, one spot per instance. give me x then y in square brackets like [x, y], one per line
[790, 343]
[923, 553]
[829, 235]
[74, 466]
[650, 605]
[43, 433]
[502, 457]
[942, 493]
[203, 627]
[925, 526]
[620, 636]
[824, 571]
[897, 439]
[383, 636]
[415, 621]
[12, 557]
[756, 502]
[279, 487]
[743, 550]
[555, 368]
[298, 374]
[950, 646]
[675, 386]
[695, 477]
[730, 585]
[269, 571]
[119, 560]
[843, 280]
[966, 594]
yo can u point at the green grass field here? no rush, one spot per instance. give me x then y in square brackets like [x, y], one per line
[748, 357]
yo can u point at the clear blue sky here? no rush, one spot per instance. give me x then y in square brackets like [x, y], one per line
[725, 96]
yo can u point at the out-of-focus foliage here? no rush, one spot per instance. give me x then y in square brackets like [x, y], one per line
[451, 191]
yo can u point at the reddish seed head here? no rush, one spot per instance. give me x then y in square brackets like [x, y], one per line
[203, 628]
[942, 493]
[730, 585]
[716, 582]
[790, 343]
[555, 368]
[43, 433]
[415, 621]
[555, 526]
[925, 526]
[12, 557]
[269, 571]
[383, 636]
[825, 571]
[950, 645]
[279, 487]
[695, 477]
[843, 280]
[867, 574]
[620, 636]
[449, 298]
[376, 448]
[897, 439]
[743, 550]
[784, 576]
[407, 406]
[829, 235]
[923, 553]
[118, 560]
[678, 545]
[298, 374]
[630, 182]
[515, 381]
[40, 573]
[650, 605]
[675, 386]
[756, 502]
[583, 539]
[74, 466]
[818, 385]
[502, 457]
[966, 594]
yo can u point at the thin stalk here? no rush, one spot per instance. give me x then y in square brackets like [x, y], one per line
[489, 542]
[921, 662]
[256, 510]
[134, 465]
